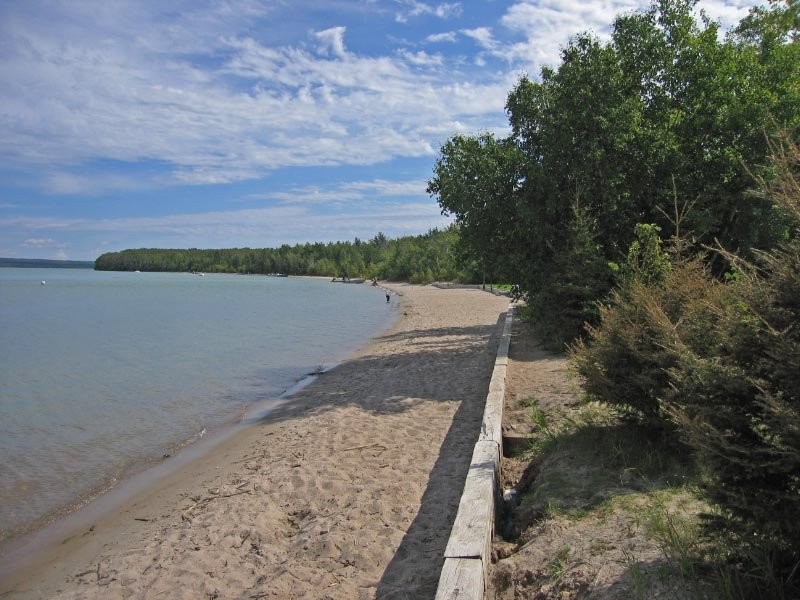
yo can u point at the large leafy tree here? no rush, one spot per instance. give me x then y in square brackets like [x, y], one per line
[665, 111]
[476, 181]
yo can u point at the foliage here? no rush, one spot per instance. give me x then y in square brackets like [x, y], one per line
[665, 109]
[647, 262]
[626, 360]
[739, 405]
[577, 276]
[718, 362]
[418, 259]
[478, 175]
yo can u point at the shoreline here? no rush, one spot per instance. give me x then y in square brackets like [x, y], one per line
[266, 495]
[47, 500]
[17, 551]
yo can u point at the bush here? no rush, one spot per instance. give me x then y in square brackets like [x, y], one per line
[739, 409]
[657, 309]
[720, 363]
[627, 359]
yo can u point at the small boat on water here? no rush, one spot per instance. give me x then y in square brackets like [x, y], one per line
[347, 280]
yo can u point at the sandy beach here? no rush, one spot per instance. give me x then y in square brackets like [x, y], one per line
[346, 491]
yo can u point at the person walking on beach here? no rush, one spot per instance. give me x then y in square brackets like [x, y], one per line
[387, 296]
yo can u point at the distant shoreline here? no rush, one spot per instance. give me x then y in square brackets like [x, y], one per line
[42, 263]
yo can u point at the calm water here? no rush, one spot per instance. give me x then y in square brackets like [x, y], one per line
[103, 372]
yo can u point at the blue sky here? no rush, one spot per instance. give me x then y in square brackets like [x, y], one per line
[207, 124]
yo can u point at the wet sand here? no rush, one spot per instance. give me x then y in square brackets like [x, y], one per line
[346, 491]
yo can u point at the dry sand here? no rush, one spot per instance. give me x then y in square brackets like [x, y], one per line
[347, 491]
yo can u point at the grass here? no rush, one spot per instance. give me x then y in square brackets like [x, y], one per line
[599, 491]
[560, 564]
[638, 579]
[543, 436]
[589, 457]
[595, 467]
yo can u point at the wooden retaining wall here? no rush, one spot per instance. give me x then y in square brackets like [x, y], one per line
[469, 549]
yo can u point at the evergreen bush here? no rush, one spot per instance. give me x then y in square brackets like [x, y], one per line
[739, 407]
[719, 362]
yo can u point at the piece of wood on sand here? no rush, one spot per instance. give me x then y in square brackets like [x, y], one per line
[492, 424]
[471, 536]
[462, 579]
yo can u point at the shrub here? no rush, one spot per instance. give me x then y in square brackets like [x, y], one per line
[656, 311]
[627, 359]
[720, 362]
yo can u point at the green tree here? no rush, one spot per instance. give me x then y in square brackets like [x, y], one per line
[607, 140]
[475, 180]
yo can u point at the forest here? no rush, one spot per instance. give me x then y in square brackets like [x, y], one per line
[646, 206]
[434, 256]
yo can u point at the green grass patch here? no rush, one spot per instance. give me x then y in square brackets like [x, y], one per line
[589, 456]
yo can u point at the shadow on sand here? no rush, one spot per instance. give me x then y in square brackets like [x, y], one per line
[451, 350]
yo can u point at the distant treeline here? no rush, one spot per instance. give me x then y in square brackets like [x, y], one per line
[33, 263]
[418, 259]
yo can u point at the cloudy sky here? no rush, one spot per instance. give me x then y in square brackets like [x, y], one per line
[231, 123]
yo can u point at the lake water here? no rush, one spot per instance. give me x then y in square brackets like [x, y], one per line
[103, 372]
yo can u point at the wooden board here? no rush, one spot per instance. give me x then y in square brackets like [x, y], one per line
[461, 579]
[468, 552]
[498, 381]
[471, 536]
[492, 424]
[505, 343]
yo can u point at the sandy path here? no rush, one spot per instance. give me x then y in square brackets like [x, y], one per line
[346, 492]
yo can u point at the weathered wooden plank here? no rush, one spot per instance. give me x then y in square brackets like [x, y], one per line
[468, 552]
[492, 424]
[471, 536]
[461, 579]
[498, 381]
[503, 346]
[485, 456]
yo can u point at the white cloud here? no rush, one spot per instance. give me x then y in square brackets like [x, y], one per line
[233, 110]
[482, 35]
[42, 243]
[258, 227]
[375, 190]
[413, 8]
[447, 36]
[64, 183]
[332, 41]
[385, 187]
[546, 26]
[727, 12]
[447, 10]
[422, 58]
